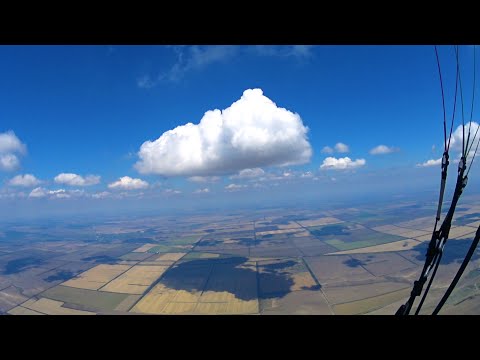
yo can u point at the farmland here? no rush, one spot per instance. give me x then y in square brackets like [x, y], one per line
[307, 261]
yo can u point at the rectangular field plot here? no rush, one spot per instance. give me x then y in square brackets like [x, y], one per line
[361, 238]
[89, 299]
[96, 277]
[52, 307]
[136, 256]
[334, 269]
[145, 248]
[162, 249]
[320, 221]
[185, 240]
[401, 245]
[343, 294]
[370, 304]
[208, 286]
[296, 303]
[11, 297]
[284, 276]
[382, 264]
[170, 257]
[136, 280]
[19, 310]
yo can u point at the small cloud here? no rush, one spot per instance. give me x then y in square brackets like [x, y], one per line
[10, 148]
[327, 150]
[202, 191]
[341, 148]
[71, 179]
[194, 58]
[101, 195]
[27, 180]
[383, 149]
[341, 163]
[38, 193]
[41, 192]
[172, 191]
[128, 183]
[248, 173]
[145, 82]
[234, 187]
[431, 162]
[204, 179]
[307, 174]
[285, 51]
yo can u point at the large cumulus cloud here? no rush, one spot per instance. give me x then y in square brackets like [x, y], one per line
[252, 132]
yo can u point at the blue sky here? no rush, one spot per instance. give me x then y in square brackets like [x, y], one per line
[87, 110]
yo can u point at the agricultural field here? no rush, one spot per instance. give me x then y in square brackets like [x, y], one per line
[357, 260]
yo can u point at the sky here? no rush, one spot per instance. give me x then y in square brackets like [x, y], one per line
[84, 128]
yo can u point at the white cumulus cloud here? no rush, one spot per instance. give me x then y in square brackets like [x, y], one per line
[457, 135]
[128, 183]
[76, 180]
[341, 148]
[383, 149]
[431, 162]
[252, 132]
[27, 180]
[248, 174]
[101, 195]
[341, 163]
[10, 148]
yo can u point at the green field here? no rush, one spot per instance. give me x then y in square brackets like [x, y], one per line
[91, 299]
[162, 249]
[185, 240]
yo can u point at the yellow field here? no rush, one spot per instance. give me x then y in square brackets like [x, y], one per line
[302, 234]
[424, 237]
[276, 232]
[320, 221]
[145, 248]
[171, 256]
[152, 303]
[19, 310]
[163, 300]
[217, 296]
[97, 277]
[459, 231]
[178, 308]
[211, 308]
[370, 304]
[406, 244]
[52, 307]
[474, 224]
[289, 225]
[136, 280]
[302, 280]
